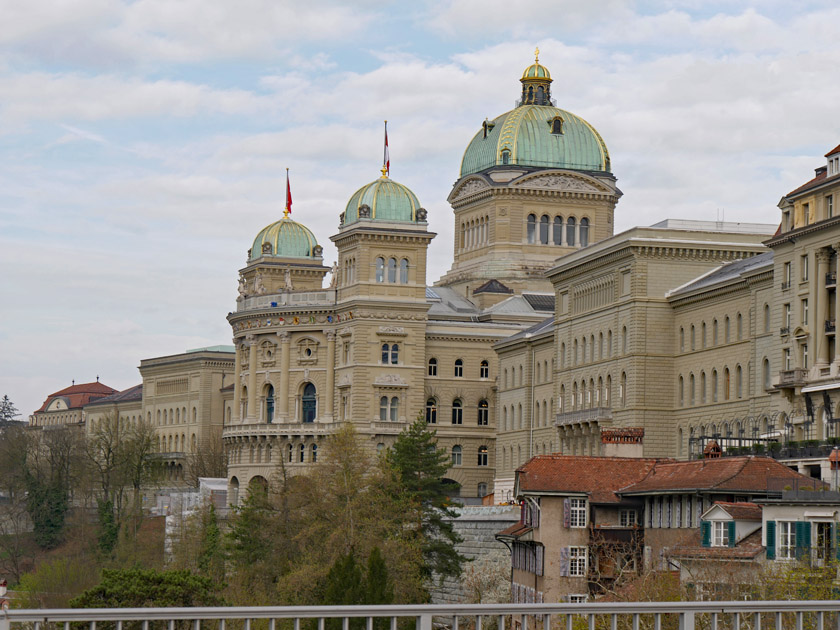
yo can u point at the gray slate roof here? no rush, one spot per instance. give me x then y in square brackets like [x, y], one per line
[725, 273]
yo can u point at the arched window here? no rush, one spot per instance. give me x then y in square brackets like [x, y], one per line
[309, 403]
[623, 391]
[609, 343]
[484, 370]
[459, 368]
[313, 450]
[383, 409]
[557, 232]
[532, 228]
[482, 490]
[457, 412]
[544, 229]
[505, 157]
[702, 388]
[726, 383]
[726, 330]
[302, 453]
[624, 339]
[482, 456]
[431, 411]
[738, 387]
[570, 231]
[386, 353]
[392, 270]
[681, 391]
[290, 453]
[691, 389]
[483, 413]
[714, 386]
[433, 367]
[739, 327]
[395, 354]
[395, 409]
[269, 404]
[562, 355]
[456, 455]
[703, 335]
[766, 318]
[766, 374]
[692, 337]
[584, 232]
[404, 271]
[714, 332]
[380, 269]
[557, 125]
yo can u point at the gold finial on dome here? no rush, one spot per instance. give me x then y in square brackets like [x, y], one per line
[537, 55]
[384, 171]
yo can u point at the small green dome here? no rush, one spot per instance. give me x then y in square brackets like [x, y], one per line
[383, 200]
[285, 238]
[536, 71]
[537, 135]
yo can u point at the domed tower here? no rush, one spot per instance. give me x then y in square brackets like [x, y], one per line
[285, 256]
[535, 184]
[381, 305]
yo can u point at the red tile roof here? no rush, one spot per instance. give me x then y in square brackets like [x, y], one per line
[515, 531]
[732, 474]
[747, 548]
[833, 151]
[821, 175]
[741, 511]
[599, 477]
[79, 395]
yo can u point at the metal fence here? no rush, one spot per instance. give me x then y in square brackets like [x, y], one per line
[755, 615]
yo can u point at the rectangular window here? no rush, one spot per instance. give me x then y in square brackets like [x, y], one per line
[829, 206]
[804, 265]
[720, 534]
[578, 599]
[786, 360]
[787, 316]
[577, 513]
[786, 276]
[577, 561]
[805, 356]
[805, 312]
[627, 518]
[787, 540]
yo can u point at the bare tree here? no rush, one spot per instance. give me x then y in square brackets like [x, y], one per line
[209, 459]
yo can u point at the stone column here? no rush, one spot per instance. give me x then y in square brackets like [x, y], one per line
[328, 398]
[236, 412]
[252, 377]
[821, 309]
[285, 360]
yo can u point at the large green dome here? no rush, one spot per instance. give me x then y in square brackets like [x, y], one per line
[537, 135]
[285, 238]
[383, 200]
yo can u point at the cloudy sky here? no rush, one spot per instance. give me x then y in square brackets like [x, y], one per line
[144, 144]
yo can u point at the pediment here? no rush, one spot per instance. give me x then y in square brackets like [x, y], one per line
[562, 181]
[469, 186]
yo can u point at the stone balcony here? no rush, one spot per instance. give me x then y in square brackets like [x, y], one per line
[792, 378]
[326, 297]
[262, 429]
[595, 414]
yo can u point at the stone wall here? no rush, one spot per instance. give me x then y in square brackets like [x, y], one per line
[478, 526]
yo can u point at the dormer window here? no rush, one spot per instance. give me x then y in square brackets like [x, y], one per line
[487, 125]
[556, 125]
[505, 157]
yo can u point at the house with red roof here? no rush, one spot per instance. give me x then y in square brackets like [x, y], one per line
[65, 407]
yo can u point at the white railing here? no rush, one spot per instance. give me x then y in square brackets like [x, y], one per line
[778, 615]
[323, 297]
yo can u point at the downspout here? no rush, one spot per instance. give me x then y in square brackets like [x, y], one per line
[533, 371]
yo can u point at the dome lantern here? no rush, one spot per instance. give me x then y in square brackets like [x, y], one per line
[536, 83]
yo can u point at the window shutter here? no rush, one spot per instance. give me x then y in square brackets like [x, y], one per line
[564, 562]
[731, 526]
[706, 533]
[803, 539]
[770, 539]
[835, 540]
[540, 559]
[567, 508]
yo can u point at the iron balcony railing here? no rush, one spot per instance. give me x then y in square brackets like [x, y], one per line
[740, 615]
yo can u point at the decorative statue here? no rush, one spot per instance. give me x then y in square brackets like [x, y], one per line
[287, 285]
[334, 275]
[259, 287]
[243, 293]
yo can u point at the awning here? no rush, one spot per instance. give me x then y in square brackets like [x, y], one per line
[820, 388]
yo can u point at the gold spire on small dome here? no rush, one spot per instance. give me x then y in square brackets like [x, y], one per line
[537, 55]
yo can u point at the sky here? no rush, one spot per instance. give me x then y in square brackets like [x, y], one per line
[144, 144]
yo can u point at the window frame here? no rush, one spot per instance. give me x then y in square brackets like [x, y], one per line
[577, 513]
[578, 560]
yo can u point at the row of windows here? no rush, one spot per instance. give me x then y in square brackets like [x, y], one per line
[512, 416]
[349, 270]
[458, 372]
[587, 395]
[475, 233]
[703, 390]
[739, 331]
[551, 231]
[511, 460]
[589, 349]
[174, 444]
[392, 270]
[542, 374]
[458, 452]
[482, 415]
[170, 416]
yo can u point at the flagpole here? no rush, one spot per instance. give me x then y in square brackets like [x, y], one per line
[288, 196]
[386, 158]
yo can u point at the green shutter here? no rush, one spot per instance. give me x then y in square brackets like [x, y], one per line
[770, 539]
[835, 538]
[731, 527]
[803, 539]
[706, 533]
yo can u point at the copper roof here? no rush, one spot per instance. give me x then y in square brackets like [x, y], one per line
[598, 477]
[732, 474]
[77, 396]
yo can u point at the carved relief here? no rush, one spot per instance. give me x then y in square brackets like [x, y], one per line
[470, 187]
[559, 182]
[421, 214]
[391, 330]
[364, 211]
[390, 380]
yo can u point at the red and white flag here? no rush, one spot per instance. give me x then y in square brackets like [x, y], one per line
[288, 194]
[386, 160]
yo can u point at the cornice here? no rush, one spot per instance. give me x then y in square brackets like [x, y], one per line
[803, 231]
